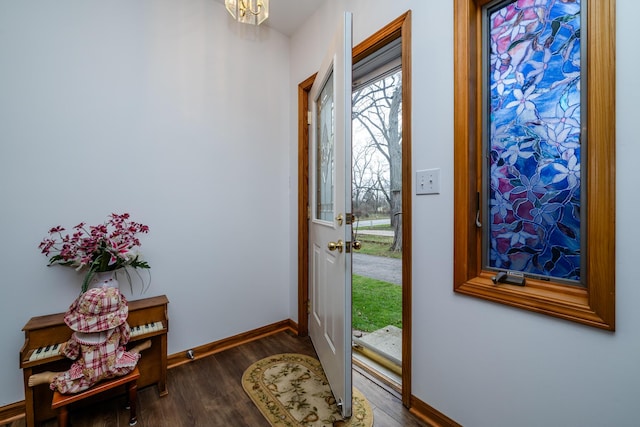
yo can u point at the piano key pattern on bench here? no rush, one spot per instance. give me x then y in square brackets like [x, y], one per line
[45, 352]
[52, 350]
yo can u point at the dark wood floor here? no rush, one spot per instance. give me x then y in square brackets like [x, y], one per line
[208, 393]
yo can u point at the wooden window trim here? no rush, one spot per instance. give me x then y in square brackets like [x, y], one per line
[593, 305]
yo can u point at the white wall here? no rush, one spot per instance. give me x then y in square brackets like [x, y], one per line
[160, 108]
[480, 363]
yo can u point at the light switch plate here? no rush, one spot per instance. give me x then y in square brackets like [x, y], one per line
[428, 181]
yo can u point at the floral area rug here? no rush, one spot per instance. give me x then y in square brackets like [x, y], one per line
[292, 390]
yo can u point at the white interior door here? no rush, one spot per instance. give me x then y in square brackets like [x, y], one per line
[330, 224]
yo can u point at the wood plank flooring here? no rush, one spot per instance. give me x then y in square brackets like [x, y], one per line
[208, 393]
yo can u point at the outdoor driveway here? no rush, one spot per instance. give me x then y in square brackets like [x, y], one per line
[375, 267]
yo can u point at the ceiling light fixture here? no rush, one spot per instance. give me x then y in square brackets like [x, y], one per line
[248, 11]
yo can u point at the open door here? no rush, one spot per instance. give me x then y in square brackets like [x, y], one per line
[330, 215]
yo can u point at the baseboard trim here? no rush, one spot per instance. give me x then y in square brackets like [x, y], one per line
[181, 358]
[430, 415]
[12, 412]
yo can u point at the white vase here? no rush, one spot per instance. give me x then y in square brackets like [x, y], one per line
[104, 279]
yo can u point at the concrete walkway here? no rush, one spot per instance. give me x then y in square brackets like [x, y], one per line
[388, 233]
[386, 342]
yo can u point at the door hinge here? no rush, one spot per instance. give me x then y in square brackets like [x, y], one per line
[308, 306]
[308, 117]
[308, 212]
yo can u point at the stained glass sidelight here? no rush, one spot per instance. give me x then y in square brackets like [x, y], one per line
[533, 138]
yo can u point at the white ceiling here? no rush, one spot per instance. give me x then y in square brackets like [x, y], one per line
[286, 16]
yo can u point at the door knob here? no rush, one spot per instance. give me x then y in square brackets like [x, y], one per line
[336, 245]
[356, 245]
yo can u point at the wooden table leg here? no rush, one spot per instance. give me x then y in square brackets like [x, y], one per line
[63, 416]
[133, 396]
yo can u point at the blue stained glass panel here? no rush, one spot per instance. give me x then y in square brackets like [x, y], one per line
[534, 138]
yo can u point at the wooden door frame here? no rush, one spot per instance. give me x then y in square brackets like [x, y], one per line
[400, 27]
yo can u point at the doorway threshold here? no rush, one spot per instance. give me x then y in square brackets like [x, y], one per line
[379, 355]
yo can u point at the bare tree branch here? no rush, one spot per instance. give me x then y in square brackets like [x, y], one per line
[377, 108]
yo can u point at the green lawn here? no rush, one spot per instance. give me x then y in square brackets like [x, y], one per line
[375, 304]
[377, 246]
[375, 227]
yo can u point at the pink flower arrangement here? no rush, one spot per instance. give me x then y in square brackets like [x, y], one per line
[104, 247]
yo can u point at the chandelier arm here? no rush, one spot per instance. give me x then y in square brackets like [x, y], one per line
[244, 8]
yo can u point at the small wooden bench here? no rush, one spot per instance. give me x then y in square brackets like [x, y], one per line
[61, 401]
